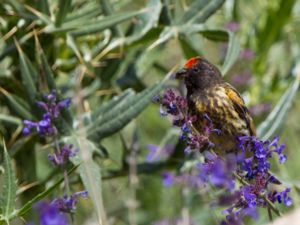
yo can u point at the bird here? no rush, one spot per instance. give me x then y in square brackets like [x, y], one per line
[208, 95]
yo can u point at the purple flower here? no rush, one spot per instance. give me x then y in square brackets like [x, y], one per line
[173, 104]
[217, 171]
[52, 108]
[249, 196]
[197, 142]
[158, 152]
[185, 179]
[232, 26]
[260, 108]
[168, 179]
[67, 204]
[62, 155]
[50, 215]
[240, 79]
[246, 53]
[282, 197]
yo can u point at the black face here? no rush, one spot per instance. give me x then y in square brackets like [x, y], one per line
[199, 74]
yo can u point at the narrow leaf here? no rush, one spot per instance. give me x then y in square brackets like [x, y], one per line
[146, 21]
[232, 53]
[275, 119]
[46, 69]
[115, 101]
[26, 71]
[63, 8]
[107, 22]
[40, 196]
[207, 11]
[10, 119]
[194, 9]
[90, 172]
[17, 106]
[124, 114]
[9, 188]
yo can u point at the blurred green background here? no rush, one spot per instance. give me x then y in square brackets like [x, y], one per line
[94, 50]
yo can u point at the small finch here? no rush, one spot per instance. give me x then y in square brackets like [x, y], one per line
[208, 94]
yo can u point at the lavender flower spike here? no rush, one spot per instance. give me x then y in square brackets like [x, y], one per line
[67, 204]
[61, 156]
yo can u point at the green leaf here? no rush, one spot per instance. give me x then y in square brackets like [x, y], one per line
[45, 67]
[108, 10]
[187, 48]
[232, 53]
[38, 197]
[106, 22]
[215, 35]
[9, 49]
[10, 119]
[207, 11]
[146, 21]
[114, 102]
[9, 188]
[27, 74]
[89, 171]
[18, 105]
[268, 34]
[193, 10]
[165, 35]
[122, 114]
[44, 7]
[63, 8]
[275, 119]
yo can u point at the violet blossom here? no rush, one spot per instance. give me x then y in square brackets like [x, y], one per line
[52, 108]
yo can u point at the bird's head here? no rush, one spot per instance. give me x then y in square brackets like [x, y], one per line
[198, 73]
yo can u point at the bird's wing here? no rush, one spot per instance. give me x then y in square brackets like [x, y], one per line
[239, 105]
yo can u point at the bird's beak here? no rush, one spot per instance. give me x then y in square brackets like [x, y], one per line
[180, 74]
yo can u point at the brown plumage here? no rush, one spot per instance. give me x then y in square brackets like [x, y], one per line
[208, 93]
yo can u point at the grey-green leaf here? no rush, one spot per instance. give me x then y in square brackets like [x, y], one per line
[27, 73]
[18, 105]
[9, 188]
[232, 53]
[46, 69]
[63, 9]
[275, 119]
[106, 22]
[89, 171]
[121, 115]
[207, 11]
[114, 102]
[10, 119]
[194, 9]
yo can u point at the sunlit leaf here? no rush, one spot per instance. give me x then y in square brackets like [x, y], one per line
[10, 119]
[106, 22]
[63, 8]
[89, 171]
[276, 118]
[207, 11]
[232, 53]
[9, 188]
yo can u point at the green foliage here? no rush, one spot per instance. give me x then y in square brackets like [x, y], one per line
[9, 188]
[111, 58]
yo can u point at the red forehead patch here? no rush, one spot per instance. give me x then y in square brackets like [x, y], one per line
[191, 62]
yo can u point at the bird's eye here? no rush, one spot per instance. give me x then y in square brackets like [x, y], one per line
[196, 69]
